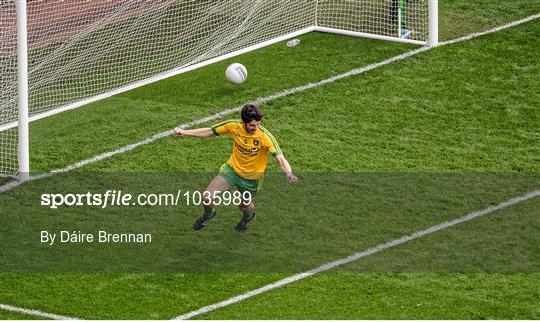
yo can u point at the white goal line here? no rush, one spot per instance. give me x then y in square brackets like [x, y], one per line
[213, 117]
[187, 68]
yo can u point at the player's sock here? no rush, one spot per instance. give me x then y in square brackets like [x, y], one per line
[248, 216]
[209, 213]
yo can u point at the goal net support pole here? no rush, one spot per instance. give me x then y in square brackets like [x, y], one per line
[22, 85]
[433, 18]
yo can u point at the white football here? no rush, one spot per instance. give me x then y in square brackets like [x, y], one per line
[236, 73]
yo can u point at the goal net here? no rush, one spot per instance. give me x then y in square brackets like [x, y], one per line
[400, 19]
[80, 50]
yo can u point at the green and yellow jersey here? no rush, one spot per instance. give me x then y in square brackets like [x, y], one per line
[250, 150]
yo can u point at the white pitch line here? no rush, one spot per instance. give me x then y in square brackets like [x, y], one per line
[320, 269]
[34, 313]
[358, 255]
[261, 100]
[490, 31]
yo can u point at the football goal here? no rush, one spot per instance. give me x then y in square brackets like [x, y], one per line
[57, 55]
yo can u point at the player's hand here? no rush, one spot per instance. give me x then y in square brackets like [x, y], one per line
[179, 132]
[292, 178]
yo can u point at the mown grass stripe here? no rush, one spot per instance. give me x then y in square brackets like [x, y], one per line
[377, 249]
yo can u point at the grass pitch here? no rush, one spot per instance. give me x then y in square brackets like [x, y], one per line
[421, 141]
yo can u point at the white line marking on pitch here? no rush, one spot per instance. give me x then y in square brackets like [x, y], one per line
[490, 31]
[35, 313]
[261, 100]
[213, 117]
[356, 256]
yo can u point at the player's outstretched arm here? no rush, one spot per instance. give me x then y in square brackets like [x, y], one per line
[198, 133]
[286, 167]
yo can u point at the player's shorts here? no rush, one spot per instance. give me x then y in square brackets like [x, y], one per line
[233, 179]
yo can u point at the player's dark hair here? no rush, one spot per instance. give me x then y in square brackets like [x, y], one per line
[251, 112]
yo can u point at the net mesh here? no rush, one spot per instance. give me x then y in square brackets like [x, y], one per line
[79, 48]
[394, 18]
[8, 88]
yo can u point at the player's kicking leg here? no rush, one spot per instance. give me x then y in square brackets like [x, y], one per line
[215, 188]
[247, 207]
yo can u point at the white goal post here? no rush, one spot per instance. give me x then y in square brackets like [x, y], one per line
[57, 55]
